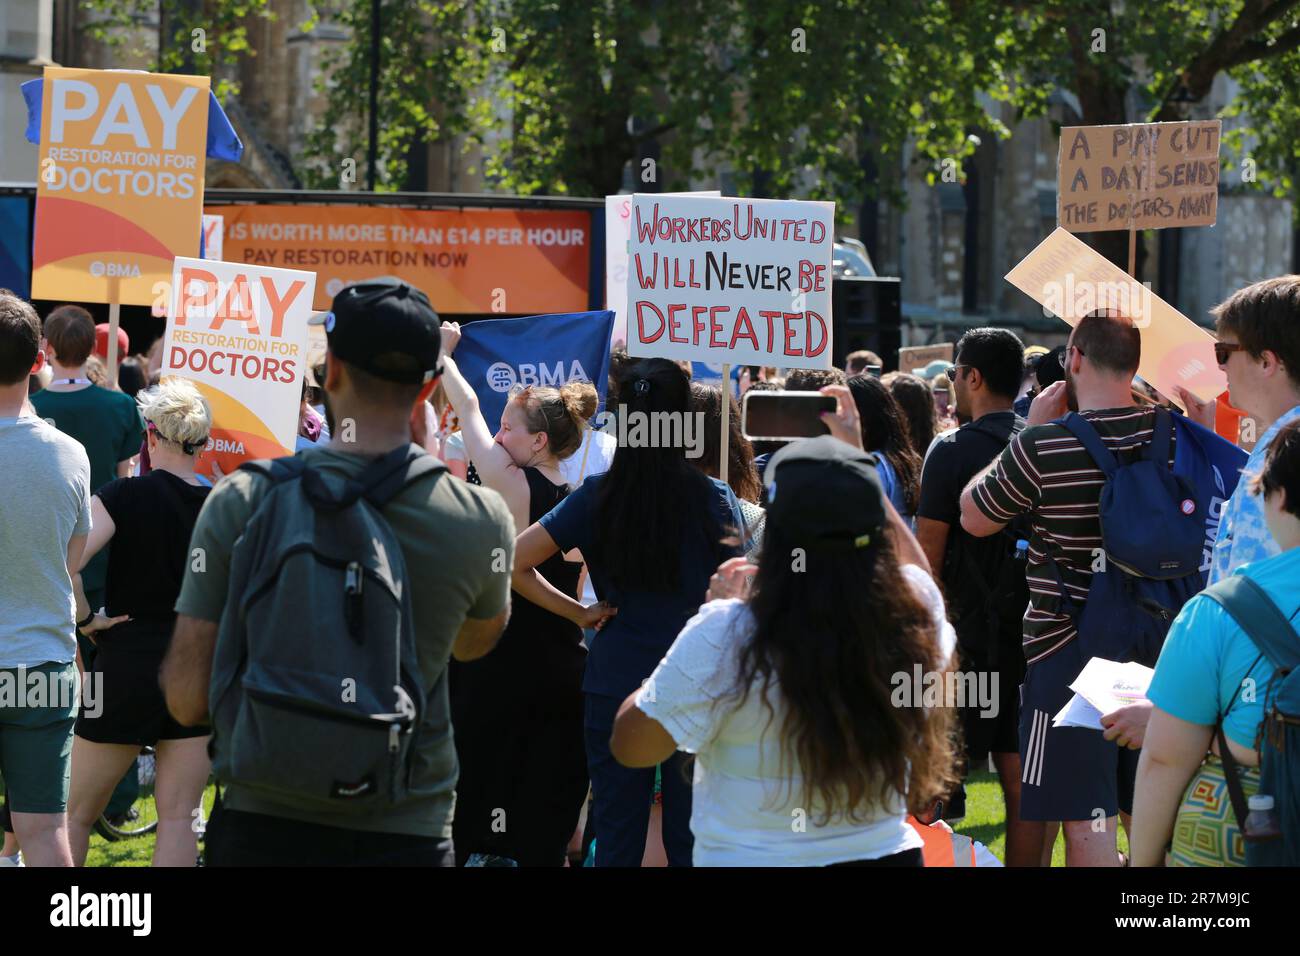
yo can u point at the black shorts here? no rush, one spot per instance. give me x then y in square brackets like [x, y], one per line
[992, 726]
[1067, 773]
[124, 704]
[993, 729]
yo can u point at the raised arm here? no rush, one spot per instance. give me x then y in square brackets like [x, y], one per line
[489, 458]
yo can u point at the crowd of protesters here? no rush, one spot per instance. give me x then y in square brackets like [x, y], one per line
[640, 652]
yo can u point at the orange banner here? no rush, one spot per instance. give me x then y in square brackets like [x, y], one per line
[469, 261]
[119, 190]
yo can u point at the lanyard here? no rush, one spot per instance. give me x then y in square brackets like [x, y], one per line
[71, 381]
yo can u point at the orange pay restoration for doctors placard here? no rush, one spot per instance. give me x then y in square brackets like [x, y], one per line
[119, 191]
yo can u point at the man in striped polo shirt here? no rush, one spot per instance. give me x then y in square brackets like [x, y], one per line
[1069, 774]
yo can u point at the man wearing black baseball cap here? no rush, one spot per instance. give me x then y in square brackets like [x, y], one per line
[387, 330]
[382, 359]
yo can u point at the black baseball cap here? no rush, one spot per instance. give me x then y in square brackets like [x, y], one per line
[824, 493]
[385, 317]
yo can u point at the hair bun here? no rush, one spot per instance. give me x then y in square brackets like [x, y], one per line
[580, 399]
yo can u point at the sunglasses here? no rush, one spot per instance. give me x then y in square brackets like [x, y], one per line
[1064, 357]
[951, 372]
[1224, 349]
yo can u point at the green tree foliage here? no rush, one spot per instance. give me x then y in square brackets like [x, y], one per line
[222, 36]
[790, 96]
[561, 94]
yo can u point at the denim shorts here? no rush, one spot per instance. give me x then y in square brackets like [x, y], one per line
[36, 741]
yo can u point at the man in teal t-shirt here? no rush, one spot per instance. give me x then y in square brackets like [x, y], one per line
[107, 423]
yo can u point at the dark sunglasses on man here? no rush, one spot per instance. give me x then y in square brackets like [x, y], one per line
[1222, 350]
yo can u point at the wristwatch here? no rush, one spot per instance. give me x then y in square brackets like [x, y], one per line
[89, 617]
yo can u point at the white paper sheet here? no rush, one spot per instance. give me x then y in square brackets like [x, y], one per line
[1102, 687]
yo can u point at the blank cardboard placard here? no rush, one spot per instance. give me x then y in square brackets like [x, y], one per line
[1070, 279]
[913, 358]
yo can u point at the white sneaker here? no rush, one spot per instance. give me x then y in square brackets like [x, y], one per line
[15, 860]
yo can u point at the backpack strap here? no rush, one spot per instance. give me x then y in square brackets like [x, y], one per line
[386, 478]
[1261, 619]
[277, 469]
[1162, 431]
[1082, 429]
[1270, 631]
[1232, 777]
[380, 481]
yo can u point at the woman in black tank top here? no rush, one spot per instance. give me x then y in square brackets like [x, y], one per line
[517, 712]
[145, 524]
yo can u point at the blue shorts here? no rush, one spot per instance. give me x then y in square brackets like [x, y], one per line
[1067, 773]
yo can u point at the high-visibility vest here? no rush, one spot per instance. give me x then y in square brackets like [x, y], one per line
[942, 846]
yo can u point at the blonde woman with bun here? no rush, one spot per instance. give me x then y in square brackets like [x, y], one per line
[518, 712]
[145, 523]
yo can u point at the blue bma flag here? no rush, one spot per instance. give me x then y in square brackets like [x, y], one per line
[710, 373]
[495, 355]
[1211, 466]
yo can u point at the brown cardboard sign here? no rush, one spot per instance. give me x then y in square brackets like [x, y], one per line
[916, 357]
[1070, 279]
[1148, 175]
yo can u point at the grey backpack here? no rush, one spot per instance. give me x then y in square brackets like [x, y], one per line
[316, 695]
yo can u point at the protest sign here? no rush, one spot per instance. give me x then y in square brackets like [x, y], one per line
[618, 233]
[213, 227]
[915, 358]
[1069, 279]
[717, 279]
[465, 261]
[495, 355]
[240, 334]
[1141, 175]
[120, 187]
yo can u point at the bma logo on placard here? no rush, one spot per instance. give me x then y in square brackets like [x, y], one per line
[502, 377]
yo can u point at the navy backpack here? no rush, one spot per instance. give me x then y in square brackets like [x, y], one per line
[1152, 531]
[1278, 740]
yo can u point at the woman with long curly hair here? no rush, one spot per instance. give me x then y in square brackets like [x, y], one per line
[802, 703]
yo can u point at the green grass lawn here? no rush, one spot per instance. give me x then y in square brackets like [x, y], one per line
[985, 821]
[986, 817]
[137, 851]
